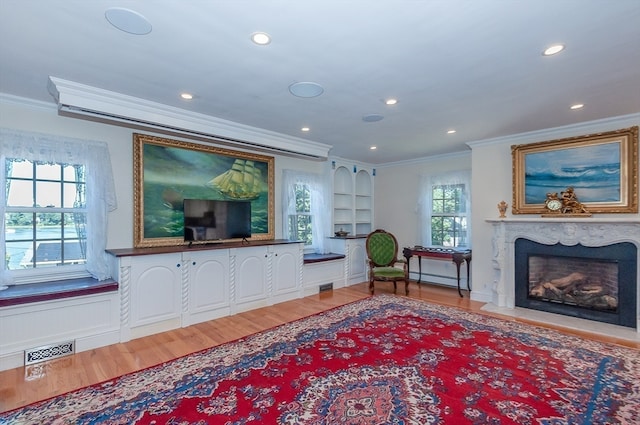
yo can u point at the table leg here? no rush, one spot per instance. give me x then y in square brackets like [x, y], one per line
[407, 256]
[457, 260]
[468, 278]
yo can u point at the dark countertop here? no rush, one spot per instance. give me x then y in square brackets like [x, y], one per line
[129, 252]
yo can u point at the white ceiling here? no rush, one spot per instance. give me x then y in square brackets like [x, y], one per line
[474, 66]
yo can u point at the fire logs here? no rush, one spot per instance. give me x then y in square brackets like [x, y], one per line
[577, 289]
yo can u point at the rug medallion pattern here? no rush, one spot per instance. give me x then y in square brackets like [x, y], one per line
[383, 360]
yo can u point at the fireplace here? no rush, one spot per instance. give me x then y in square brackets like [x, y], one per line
[560, 244]
[595, 283]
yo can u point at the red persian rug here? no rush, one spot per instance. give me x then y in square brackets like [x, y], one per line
[383, 360]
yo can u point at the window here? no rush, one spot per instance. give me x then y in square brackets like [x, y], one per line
[305, 213]
[45, 216]
[300, 222]
[448, 215]
[446, 210]
[57, 193]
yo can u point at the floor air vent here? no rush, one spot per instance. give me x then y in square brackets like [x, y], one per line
[326, 287]
[49, 352]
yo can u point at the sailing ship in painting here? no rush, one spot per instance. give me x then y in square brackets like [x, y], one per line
[242, 181]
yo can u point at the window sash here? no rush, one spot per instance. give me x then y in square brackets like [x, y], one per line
[46, 150]
[319, 197]
[445, 207]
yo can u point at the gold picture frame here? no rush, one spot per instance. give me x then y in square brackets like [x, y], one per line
[167, 171]
[602, 168]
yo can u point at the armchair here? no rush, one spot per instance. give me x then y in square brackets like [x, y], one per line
[382, 253]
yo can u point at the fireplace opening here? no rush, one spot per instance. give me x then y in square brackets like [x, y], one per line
[595, 283]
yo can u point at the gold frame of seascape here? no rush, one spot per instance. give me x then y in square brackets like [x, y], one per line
[203, 154]
[624, 140]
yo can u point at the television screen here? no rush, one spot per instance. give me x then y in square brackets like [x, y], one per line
[216, 220]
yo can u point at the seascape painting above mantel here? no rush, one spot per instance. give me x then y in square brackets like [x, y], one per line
[601, 169]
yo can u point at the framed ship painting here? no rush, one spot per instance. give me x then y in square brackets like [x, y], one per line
[168, 171]
[601, 168]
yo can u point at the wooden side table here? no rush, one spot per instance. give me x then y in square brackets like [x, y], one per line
[457, 256]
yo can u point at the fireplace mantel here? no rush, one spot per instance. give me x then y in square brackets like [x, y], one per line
[552, 230]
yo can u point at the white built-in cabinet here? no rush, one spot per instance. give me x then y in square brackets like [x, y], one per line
[355, 262]
[352, 198]
[154, 292]
[286, 276]
[250, 265]
[353, 204]
[207, 275]
[158, 289]
[168, 290]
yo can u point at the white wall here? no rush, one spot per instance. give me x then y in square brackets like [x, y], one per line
[22, 114]
[397, 194]
[397, 191]
[492, 183]
[396, 185]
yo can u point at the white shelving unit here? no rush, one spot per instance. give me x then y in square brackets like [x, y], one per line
[353, 213]
[352, 198]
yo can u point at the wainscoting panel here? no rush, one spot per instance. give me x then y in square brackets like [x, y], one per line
[38, 324]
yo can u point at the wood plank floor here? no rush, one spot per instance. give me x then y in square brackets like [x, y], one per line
[21, 386]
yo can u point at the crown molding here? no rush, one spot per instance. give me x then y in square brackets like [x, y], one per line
[79, 100]
[589, 127]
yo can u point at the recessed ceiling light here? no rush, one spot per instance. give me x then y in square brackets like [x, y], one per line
[373, 148]
[372, 118]
[261, 38]
[186, 96]
[305, 129]
[552, 50]
[391, 101]
[128, 21]
[577, 106]
[306, 89]
[451, 131]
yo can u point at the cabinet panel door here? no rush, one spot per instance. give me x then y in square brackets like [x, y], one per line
[286, 269]
[155, 288]
[208, 280]
[357, 259]
[251, 275]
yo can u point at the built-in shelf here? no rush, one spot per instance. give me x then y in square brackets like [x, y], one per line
[352, 198]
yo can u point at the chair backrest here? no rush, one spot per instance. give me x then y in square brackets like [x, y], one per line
[382, 248]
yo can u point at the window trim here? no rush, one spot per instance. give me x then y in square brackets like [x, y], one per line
[428, 182]
[318, 188]
[99, 197]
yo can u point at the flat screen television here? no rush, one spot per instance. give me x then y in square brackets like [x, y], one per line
[208, 220]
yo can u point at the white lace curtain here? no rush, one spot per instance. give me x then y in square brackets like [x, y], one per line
[320, 207]
[100, 192]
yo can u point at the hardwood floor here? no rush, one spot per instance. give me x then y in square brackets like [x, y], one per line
[21, 386]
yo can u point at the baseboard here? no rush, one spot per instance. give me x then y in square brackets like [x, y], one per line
[16, 359]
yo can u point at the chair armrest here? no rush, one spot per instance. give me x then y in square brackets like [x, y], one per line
[405, 265]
